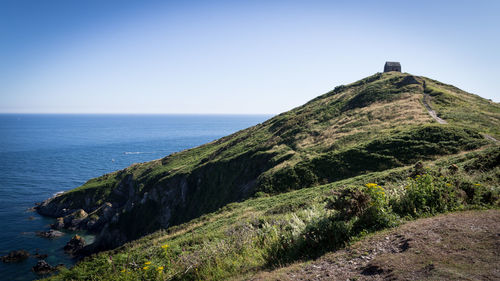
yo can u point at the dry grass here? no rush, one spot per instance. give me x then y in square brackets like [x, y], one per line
[379, 116]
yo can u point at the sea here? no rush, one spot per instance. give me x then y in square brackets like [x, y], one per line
[43, 154]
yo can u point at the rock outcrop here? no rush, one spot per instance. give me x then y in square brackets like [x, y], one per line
[74, 219]
[59, 224]
[74, 245]
[50, 233]
[16, 256]
[42, 268]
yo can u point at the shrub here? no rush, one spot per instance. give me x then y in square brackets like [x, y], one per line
[358, 210]
[427, 195]
[478, 194]
[315, 238]
[379, 214]
[349, 202]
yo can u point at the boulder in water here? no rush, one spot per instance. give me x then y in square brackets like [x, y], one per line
[42, 267]
[74, 245]
[49, 234]
[16, 256]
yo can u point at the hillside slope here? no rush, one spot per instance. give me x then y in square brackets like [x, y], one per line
[269, 232]
[374, 124]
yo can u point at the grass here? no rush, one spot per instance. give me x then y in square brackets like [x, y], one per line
[462, 108]
[271, 231]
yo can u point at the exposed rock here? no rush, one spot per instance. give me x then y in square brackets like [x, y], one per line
[42, 267]
[98, 218]
[16, 256]
[73, 220]
[80, 219]
[49, 234]
[59, 224]
[91, 222]
[74, 245]
[47, 208]
[107, 211]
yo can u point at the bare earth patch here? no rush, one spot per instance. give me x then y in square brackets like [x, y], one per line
[457, 246]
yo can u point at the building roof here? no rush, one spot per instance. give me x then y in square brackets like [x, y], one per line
[392, 63]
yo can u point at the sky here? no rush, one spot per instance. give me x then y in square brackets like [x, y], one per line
[232, 57]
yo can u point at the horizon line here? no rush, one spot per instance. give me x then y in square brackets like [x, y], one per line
[125, 113]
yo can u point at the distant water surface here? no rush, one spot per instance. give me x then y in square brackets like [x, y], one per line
[41, 155]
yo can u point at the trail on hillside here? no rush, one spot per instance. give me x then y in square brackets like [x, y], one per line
[463, 245]
[432, 113]
[490, 137]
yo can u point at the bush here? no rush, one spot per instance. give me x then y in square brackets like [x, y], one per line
[427, 195]
[349, 202]
[379, 214]
[358, 210]
[317, 237]
[367, 207]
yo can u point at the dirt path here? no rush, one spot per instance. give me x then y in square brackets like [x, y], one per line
[432, 113]
[490, 137]
[458, 246]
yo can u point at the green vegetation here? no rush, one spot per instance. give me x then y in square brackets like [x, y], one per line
[302, 183]
[461, 108]
[270, 231]
[395, 150]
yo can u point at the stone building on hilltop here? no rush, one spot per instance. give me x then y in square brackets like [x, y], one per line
[392, 66]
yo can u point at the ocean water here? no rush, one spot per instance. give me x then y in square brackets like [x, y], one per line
[41, 155]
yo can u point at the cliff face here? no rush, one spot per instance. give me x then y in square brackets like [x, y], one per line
[128, 212]
[370, 125]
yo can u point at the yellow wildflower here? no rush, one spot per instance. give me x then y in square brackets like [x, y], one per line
[123, 270]
[146, 267]
[371, 184]
[148, 262]
[160, 268]
[477, 184]
[164, 246]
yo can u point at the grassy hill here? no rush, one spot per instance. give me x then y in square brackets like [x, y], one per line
[286, 169]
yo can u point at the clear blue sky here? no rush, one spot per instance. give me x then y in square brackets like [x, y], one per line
[119, 56]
